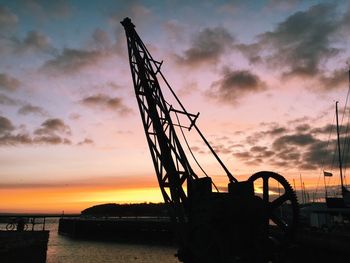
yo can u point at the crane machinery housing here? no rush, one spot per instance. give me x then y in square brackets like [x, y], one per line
[237, 225]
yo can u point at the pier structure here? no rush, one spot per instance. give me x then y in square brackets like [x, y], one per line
[126, 229]
[23, 239]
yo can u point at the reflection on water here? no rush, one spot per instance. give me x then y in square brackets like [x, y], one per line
[65, 250]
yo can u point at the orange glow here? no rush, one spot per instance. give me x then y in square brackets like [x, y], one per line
[71, 200]
[76, 197]
[137, 195]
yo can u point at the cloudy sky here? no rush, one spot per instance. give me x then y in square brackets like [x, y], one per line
[264, 75]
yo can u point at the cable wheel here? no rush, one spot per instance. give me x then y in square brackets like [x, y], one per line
[281, 204]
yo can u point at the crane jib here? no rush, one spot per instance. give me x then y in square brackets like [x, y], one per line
[171, 164]
[210, 226]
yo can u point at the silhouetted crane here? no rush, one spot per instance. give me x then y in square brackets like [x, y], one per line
[232, 226]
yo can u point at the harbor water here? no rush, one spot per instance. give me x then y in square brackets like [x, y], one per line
[62, 249]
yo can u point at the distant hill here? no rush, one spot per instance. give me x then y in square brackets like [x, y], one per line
[143, 209]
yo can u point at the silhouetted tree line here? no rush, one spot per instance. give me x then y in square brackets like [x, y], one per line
[143, 209]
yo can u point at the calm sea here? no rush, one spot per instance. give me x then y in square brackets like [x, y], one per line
[65, 250]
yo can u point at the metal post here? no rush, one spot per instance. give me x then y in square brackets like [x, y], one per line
[339, 152]
[325, 185]
[302, 192]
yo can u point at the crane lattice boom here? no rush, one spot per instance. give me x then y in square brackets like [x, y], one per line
[221, 227]
[170, 162]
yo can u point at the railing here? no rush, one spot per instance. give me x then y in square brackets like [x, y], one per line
[22, 223]
[122, 218]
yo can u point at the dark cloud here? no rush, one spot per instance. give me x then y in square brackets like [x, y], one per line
[258, 149]
[302, 147]
[50, 139]
[248, 160]
[220, 148]
[289, 154]
[274, 129]
[106, 102]
[207, 47]
[51, 132]
[6, 134]
[252, 51]
[242, 155]
[15, 139]
[256, 156]
[5, 100]
[303, 127]
[53, 126]
[300, 121]
[30, 109]
[298, 139]
[300, 44]
[303, 40]
[317, 154]
[328, 129]
[337, 79]
[234, 85]
[7, 18]
[222, 145]
[200, 149]
[26, 139]
[86, 141]
[72, 61]
[5, 126]
[34, 41]
[261, 152]
[253, 139]
[8, 83]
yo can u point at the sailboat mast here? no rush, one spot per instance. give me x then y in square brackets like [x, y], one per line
[339, 152]
[302, 190]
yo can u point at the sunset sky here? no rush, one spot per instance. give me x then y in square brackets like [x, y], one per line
[264, 76]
